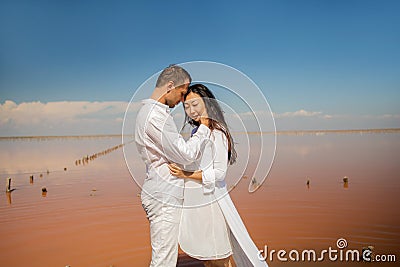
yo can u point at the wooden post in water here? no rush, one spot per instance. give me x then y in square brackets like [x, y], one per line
[8, 185]
[44, 191]
[346, 182]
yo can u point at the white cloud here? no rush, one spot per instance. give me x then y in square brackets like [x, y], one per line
[66, 116]
[250, 114]
[289, 114]
[36, 112]
[305, 120]
[85, 117]
[299, 113]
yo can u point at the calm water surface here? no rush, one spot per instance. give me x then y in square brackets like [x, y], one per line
[92, 216]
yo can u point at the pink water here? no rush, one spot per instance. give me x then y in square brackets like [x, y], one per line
[92, 216]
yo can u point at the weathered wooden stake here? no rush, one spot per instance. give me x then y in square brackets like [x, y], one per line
[8, 185]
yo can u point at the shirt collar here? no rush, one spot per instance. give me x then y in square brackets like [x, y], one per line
[156, 103]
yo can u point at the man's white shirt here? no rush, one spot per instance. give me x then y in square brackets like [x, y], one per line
[159, 143]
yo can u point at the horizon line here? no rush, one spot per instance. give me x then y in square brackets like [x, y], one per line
[283, 132]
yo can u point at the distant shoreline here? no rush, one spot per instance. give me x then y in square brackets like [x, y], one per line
[322, 132]
[289, 132]
[61, 136]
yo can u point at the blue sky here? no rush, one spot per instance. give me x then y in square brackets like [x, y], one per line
[338, 58]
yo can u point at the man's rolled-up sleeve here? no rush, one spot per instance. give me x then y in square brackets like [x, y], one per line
[214, 162]
[207, 168]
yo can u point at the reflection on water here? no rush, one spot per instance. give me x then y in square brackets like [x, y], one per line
[8, 194]
[345, 185]
[90, 214]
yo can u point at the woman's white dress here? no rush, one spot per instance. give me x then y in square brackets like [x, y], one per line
[211, 227]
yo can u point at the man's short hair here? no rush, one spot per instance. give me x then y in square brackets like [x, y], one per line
[173, 73]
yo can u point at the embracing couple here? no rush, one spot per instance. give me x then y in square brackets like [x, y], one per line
[184, 193]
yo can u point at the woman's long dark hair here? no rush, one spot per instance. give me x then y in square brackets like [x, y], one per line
[215, 115]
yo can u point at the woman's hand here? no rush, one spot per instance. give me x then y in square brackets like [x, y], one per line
[205, 121]
[176, 170]
[180, 173]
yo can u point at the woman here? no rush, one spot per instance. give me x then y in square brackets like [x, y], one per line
[211, 228]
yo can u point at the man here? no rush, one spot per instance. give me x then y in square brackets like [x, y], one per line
[159, 143]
